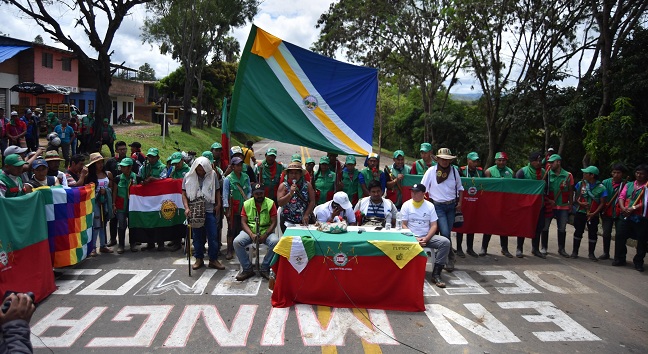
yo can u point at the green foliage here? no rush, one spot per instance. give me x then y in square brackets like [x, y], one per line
[146, 73]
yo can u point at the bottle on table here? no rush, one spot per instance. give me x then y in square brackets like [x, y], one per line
[399, 221]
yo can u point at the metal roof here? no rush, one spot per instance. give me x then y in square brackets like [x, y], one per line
[9, 51]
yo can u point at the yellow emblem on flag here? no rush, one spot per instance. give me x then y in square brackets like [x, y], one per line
[399, 252]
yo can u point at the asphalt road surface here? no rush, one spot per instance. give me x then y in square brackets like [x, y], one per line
[146, 301]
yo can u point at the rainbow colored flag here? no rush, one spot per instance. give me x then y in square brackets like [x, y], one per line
[69, 222]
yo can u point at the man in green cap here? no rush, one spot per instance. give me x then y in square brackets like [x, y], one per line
[589, 201]
[121, 187]
[324, 181]
[217, 151]
[372, 173]
[11, 185]
[610, 213]
[559, 200]
[499, 170]
[269, 174]
[52, 121]
[108, 136]
[397, 172]
[533, 171]
[351, 180]
[179, 167]
[426, 161]
[153, 169]
[470, 170]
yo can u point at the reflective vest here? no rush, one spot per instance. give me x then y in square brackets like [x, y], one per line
[264, 215]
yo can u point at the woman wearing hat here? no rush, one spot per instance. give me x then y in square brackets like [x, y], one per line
[103, 202]
[296, 197]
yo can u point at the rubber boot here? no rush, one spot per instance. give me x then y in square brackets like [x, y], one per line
[450, 265]
[436, 276]
[561, 244]
[577, 243]
[545, 242]
[484, 248]
[591, 248]
[606, 249]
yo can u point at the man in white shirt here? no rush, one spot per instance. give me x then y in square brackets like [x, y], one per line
[419, 216]
[338, 208]
[375, 209]
[443, 183]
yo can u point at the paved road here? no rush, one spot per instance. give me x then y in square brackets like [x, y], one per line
[146, 302]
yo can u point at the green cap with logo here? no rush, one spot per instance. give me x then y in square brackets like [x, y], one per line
[14, 160]
[325, 159]
[591, 169]
[153, 152]
[398, 153]
[310, 160]
[554, 157]
[271, 151]
[426, 147]
[127, 161]
[472, 156]
[295, 158]
[176, 157]
[350, 160]
[216, 146]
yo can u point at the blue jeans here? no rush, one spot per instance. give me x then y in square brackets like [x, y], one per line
[101, 233]
[243, 240]
[446, 215]
[209, 230]
[561, 217]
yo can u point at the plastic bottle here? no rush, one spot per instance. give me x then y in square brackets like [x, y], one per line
[388, 223]
[271, 280]
[399, 221]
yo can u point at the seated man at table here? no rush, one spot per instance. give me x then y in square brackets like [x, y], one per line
[374, 209]
[263, 211]
[338, 209]
[420, 218]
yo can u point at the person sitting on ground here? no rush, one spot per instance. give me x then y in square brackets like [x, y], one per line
[375, 210]
[297, 198]
[14, 325]
[338, 209]
[419, 216]
[39, 177]
[258, 219]
[77, 172]
[11, 185]
[53, 165]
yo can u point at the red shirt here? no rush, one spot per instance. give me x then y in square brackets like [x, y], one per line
[16, 128]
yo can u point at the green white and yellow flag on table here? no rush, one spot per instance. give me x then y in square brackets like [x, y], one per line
[286, 93]
[297, 250]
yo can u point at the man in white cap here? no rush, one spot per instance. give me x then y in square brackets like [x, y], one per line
[338, 209]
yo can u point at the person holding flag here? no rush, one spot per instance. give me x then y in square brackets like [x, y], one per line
[589, 201]
[533, 171]
[610, 213]
[471, 170]
[499, 170]
[633, 202]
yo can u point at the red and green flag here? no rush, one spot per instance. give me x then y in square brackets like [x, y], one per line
[156, 212]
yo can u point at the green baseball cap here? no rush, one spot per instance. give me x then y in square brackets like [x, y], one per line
[591, 169]
[209, 155]
[325, 159]
[14, 160]
[176, 157]
[310, 160]
[399, 153]
[350, 160]
[153, 152]
[127, 161]
[216, 146]
[472, 156]
[295, 158]
[425, 147]
[271, 151]
[554, 157]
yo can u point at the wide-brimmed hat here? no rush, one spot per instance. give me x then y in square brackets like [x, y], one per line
[445, 153]
[52, 155]
[342, 199]
[294, 166]
[94, 157]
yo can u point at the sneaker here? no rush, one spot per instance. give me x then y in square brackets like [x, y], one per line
[215, 264]
[246, 274]
[543, 251]
[482, 252]
[519, 254]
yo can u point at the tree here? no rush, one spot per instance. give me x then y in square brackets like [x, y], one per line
[146, 73]
[38, 39]
[89, 16]
[190, 30]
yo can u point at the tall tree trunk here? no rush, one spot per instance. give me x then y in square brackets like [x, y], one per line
[103, 107]
[186, 100]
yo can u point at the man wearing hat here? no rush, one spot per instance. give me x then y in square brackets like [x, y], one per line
[269, 173]
[397, 172]
[39, 177]
[610, 213]
[310, 168]
[324, 181]
[66, 134]
[11, 185]
[16, 130]
[589, 201]
[533, 171]
[499, 170]
[559, 201]
[351, 180]
[52, 122]
[153, 169]
[372, 173]
[107, 134]
[180, 168]
[237, 152]
[53, 165]
[236, 190]
[470, 170]
[419, 167]
[443, 184]
[217, 152]
[340, 208]
[258, 219]
[121, 193]
[296, 197]
[633, 202]
[420, 217]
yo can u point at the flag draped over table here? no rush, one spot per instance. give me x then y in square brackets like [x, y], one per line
[298, 250]
[156, 212]
[290, 94]
[69, 222]
[25, 263]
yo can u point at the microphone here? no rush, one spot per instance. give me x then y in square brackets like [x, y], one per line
[294, 182]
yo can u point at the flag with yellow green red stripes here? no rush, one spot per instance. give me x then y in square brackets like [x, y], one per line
[286, 93]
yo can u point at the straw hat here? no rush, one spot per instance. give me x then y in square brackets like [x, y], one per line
[294, 166]
[52, 155]
[94, 157]
[445, 153]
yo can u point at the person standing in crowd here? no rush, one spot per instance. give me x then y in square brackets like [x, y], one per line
[16, 131]
[352, 180]
[66, 134]
[87, 131]
[113, 166]
[611, 212]
[247, 169]
[375, 210]
[589, 201]
[248, 153]
[471, 170]
[296, 197]
[139, 159]
[269, 171]
[420, 217]
[337, 167]
[153, 170]
[52, 122]
[103, 202]
[499, 170]
[419, 167]
[561, 187]
[340, 208]
[443, 183]
[121, 193]
[179, 167]
[39, 177]
[200, 185]
[11, 185]
[77, 172]
[372, 172]
[324, 181]
[533, 171]
[54, 164]
[258, 219]
[31, 137]
[397, 172]
[310, 169]
[75, 129]
[236, 189]
[217, 151]
[3, 132]
[633, 202]
[108, 136]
